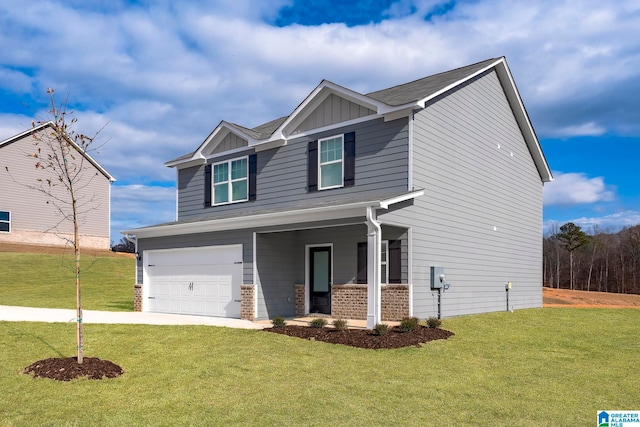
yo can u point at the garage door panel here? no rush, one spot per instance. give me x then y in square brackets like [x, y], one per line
[203, 281]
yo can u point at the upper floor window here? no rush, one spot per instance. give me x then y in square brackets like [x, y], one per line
[230, 181]
[5, 222]
[331, 162]
[331, 166]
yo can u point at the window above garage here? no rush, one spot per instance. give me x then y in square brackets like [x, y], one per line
[230, 181]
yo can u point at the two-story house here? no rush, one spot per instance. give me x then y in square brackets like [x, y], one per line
[33, 212]
[343, 207]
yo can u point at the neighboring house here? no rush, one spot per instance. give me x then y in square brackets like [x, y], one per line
[29, 216]
[344, 206]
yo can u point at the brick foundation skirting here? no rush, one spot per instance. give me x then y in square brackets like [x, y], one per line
[247, 302]
[137, 297]
[299, 294]
[350, 302]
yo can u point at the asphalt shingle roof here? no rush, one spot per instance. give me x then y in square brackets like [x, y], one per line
[422, 88]
[394, 96]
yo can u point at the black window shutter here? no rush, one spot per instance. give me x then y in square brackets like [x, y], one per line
[312, 166]
[349, 159]
[253, 172]
[395, 261]
[207, 186]
[361, 277]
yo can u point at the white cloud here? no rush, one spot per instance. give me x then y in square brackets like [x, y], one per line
[607, 223]
[576, 188]
[135, 206]
[585, 129]
[164, 76]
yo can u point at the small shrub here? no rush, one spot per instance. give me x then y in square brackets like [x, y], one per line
[409, 324]
[382, 329]
[340, 324]
[318, 322]
[279, 322]
[434, 322]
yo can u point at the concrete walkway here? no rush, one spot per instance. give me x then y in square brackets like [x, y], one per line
[59, 315]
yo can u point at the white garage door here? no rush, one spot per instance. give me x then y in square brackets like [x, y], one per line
[203, 281]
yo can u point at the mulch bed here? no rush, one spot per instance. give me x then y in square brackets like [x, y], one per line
[365, 338]
[68, 368]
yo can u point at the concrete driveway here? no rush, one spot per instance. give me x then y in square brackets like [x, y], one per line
[58, 315]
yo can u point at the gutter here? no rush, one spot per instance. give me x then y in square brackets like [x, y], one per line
[374, 243]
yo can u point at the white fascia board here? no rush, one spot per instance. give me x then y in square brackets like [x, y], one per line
[294, 216]
[210, 142]
[79, 149]
[261, 146]
[254, 221]
[25, 133]
[520, 112]
[384, 204]
[196, 157]
[187, 163]
[424, 101]
[334, 126]
[398, 114]
[315, 98]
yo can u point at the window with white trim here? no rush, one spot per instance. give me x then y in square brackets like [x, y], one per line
[330, 162]
[390, 262]
[5, 222]
[230, 181]
[384, 264]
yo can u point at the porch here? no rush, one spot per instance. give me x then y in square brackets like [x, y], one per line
[324, 271]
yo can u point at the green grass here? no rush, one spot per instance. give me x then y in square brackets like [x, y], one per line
[535, 367]
[41, 280]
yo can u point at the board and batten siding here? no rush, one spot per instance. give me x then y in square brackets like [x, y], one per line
[333, 109]
[34, 216]
[230, 142]
[481, 215]
[381, 168]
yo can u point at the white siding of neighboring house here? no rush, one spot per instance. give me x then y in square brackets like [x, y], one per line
[35, 218]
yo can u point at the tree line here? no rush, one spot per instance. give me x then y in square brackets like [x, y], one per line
[601, 260]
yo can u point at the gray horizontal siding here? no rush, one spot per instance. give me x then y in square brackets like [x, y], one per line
[278, 257]
[281, 262]
[481, 215]
[381, 168]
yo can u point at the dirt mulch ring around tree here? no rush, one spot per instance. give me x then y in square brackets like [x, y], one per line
[365, 338]
[588, 299]
[68, 368]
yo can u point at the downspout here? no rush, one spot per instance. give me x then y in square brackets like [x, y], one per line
[134, 240]
[374, 243]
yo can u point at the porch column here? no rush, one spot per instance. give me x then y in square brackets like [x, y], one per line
[374, 243]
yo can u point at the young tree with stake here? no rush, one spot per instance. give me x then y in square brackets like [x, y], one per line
[61, 154]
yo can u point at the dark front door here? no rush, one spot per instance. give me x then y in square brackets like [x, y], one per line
[320, 276]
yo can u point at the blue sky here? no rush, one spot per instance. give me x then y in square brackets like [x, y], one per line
[163, 74]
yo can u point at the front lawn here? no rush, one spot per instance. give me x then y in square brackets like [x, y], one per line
[48, 280]
[529, 368]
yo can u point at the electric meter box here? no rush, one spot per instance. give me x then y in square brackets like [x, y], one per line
[437, 278]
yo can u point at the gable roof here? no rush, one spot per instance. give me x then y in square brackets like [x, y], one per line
[425, 87]
[41, 128]
[393, 102]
